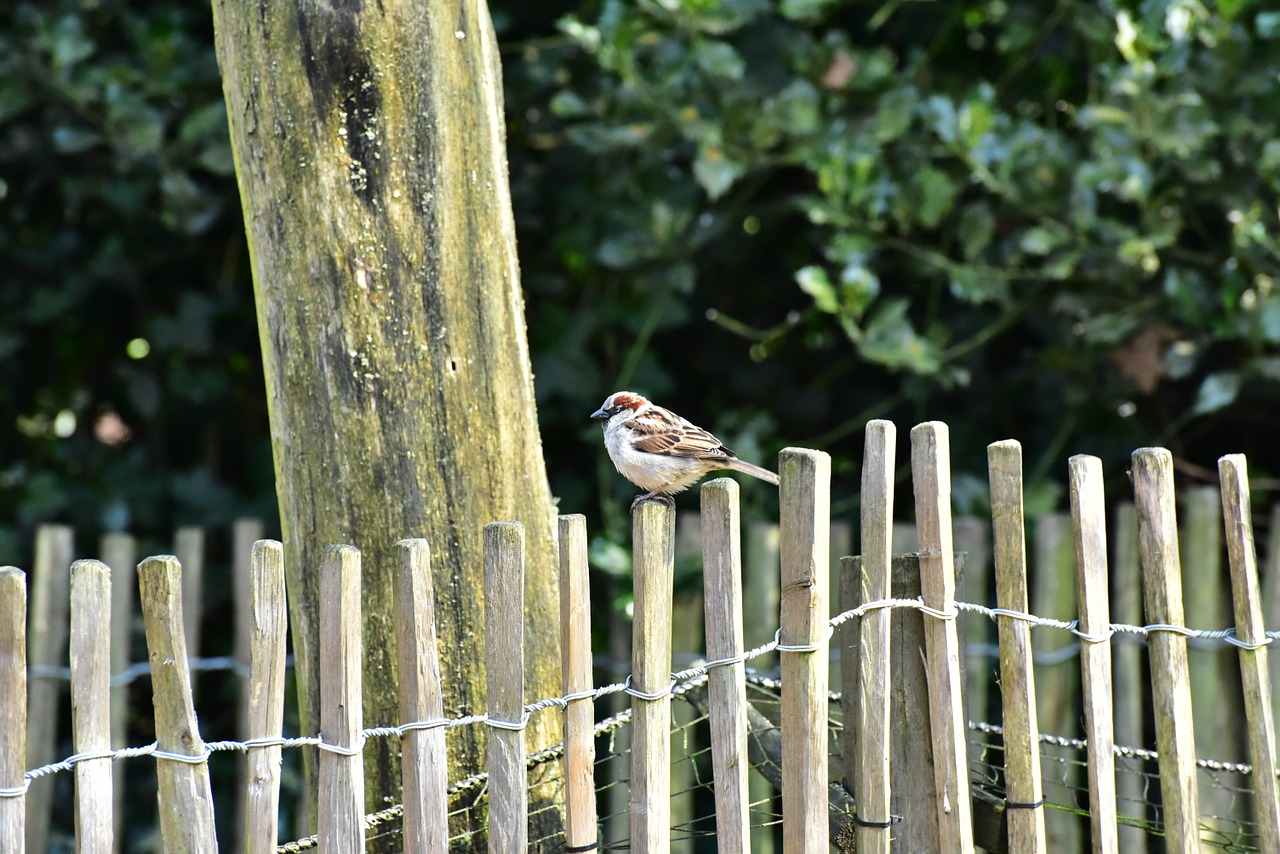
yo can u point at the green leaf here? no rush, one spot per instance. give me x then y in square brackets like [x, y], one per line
[813, 280]
[858, 288]
[940, 112]
[975, 228]
[718, 59]
[795, 108]
[894, 113]
[805, 10]
[937, 194]
[70, 45]
[1217, 391]
[1269, 317]
[1040, 241]
[609, 557]
[892, 341]
[974, 286]
[715, 171]
[74, 140]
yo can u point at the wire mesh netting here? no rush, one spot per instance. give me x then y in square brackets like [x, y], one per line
[1063, 770]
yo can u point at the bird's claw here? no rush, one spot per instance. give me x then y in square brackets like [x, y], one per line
[649, 496]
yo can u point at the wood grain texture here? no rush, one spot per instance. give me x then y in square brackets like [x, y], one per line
[931, 482]
[1017, 678]
[1215, 698]
[423, 761]
[267, 625]
[90, 646]
[1053, 596]
[370, 154]
[874, 581]
[244, 533]
[653, 568]
[186, 805]
[1130, 684]
[575, 663]
[119, 552]
[760, 607]
[913, 795]
[1152, 473]
[726, 685]
[972, 537]
[13, 706]
[340, 809]
[504, 662]
[805, 580]
[46, 647]
[688, 643]
[1089, 520]
[1254, 674]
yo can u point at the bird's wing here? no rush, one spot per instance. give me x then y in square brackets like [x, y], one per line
[664, 432]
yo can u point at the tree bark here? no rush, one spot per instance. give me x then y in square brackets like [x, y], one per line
[370, 152]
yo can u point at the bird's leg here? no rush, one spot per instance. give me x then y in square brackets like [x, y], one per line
[654, 496]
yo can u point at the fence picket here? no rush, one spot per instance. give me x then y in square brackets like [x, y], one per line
[761, 603]
[120, 553]
[1024, 810]
[1088, 512]
[841, 546]
[244, 533]
[1170, 677]
[266, 619]
[973, 539]
[340, 809]
[1053, 595]
[504, 663]
[805, 573]
[186, 803]
[1129, 688]
[46, 647]
[90, 647]
[1255, 678]
[870, 777]
[13, 707]
[726, 685]
[653, 568]
[688, 636]
[880, 732]
[1214, 698]
[575, 655]
[424, 763]
[931, 482]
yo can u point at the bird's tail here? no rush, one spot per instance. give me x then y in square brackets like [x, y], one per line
[753, 470]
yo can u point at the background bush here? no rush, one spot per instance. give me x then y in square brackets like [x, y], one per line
[1056, 223]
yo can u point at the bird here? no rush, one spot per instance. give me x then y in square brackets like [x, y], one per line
[661, 452]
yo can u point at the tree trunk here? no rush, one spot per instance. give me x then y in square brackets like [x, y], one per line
[370, 152]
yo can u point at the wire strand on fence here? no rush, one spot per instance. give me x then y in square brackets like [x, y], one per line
[677, 679]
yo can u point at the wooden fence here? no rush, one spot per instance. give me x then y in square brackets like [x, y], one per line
[905, 668]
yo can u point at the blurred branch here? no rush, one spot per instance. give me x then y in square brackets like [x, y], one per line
[1199, 472]
[751, 333]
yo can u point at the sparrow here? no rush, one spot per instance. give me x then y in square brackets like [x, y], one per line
[659, 451]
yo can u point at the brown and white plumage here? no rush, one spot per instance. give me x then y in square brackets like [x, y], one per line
[661, 452]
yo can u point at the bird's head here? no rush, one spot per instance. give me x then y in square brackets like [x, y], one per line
[620, 406]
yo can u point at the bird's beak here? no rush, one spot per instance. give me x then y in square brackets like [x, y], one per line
[600, 415]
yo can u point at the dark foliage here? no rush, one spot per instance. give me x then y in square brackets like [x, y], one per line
[1053, 223]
